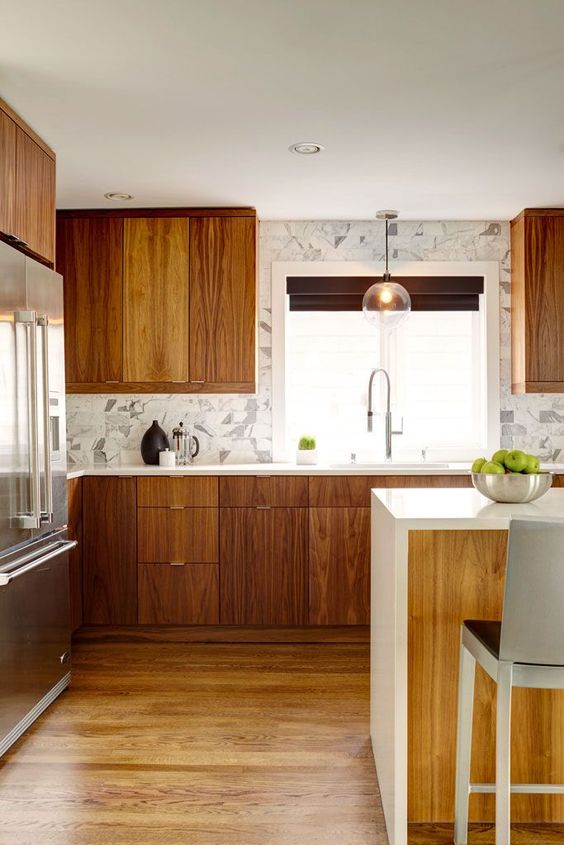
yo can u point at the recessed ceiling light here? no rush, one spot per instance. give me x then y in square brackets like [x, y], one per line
[117, 195]
[306, 148]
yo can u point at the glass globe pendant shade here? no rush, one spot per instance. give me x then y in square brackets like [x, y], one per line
[386, 303]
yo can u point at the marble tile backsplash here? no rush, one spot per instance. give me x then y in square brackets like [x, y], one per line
[238, 428]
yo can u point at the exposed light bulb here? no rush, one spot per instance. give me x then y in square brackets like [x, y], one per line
[386, 296]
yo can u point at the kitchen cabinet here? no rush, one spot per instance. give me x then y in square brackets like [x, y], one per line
[537, 301]
[109, 551]
[155, 281]
[27, 188]
[177, 535]
[89, 256]
[159, 300]
[74, 531]
[223, 300]
[35, 197]
[7, 174]
[289, 491]
[178, 595]
[264, 566]
[339, 566]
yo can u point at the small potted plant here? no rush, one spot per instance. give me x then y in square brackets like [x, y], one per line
[307, 451]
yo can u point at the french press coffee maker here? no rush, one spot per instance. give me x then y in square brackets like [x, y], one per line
[186, 445]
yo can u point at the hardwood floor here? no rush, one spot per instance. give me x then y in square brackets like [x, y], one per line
[193, 744]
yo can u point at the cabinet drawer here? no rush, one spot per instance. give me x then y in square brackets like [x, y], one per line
[177, 492]
[183, 535]
[281, 491]
[178, 595]
[353, 491]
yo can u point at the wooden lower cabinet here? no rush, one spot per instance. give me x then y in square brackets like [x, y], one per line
[74, 531]
[110, 551]
[177, 535]
[178, 595]
[339, 566]
[263, 553]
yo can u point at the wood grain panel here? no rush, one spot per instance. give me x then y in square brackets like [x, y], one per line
[457, 575]
[155, 310]
[89, 256]
[35, 197]
[353, 491]
[110, 551]
[339, 566]
[188, 535]
[178, 595]
[223, 299]
[544, 298]
[264, 490]
[198, 491]
[518, 343]
[79, 213]
[74, 530]
[161, 387]
[264, 566]
[351, 634]
[19, 121]
[7, 174]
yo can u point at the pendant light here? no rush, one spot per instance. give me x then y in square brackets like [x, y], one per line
[386, 303]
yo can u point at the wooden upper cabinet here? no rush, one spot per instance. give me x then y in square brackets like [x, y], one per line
[223, 300]
[155, 302]
[537, 301]
[35, 197]
[7, 174]
[89, 256]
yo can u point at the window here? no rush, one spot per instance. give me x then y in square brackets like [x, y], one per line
[438, 361]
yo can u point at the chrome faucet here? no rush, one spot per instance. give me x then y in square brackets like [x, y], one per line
[389, 430]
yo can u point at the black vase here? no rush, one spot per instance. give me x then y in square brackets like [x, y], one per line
[154, 441]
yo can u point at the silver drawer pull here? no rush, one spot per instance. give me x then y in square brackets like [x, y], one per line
[197, 381]
[65, 657]
[263, 508]
[177, 563]
[176, 508]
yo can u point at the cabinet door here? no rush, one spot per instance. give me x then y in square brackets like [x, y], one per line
[263, 566]
[7, 174]
[178, 595]
[223, 299]
[177, 535]
[89, 256]
[156, 322]
[74, 489]
[339, 566]
[110, 551]
[35, 196]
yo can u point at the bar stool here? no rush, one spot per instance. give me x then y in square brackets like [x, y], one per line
[525, 649]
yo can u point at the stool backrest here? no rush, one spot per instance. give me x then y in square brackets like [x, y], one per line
[532, 629]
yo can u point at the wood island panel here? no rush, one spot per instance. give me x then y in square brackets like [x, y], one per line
[455, 575]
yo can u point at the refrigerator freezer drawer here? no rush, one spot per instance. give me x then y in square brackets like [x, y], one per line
[34, 637]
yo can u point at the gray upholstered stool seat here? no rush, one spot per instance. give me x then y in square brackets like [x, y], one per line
[525, 649]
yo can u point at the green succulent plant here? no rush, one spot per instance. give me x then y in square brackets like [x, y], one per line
[306, 443]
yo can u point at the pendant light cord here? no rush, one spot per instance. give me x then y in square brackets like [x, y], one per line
[386, 247]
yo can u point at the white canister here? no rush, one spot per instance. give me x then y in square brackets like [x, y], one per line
[167, 458]
[306, 457]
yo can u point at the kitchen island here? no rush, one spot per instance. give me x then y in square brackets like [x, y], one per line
[438, 557]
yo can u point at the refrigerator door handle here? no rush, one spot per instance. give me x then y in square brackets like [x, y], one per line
[47, 514]
[33, 519]
[30, 562]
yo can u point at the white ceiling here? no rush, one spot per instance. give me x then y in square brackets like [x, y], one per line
[448, 109]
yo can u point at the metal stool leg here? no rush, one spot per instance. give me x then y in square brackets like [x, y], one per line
[467, 672]
[503, 755]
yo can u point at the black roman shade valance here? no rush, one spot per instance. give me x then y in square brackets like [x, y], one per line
[344, 293]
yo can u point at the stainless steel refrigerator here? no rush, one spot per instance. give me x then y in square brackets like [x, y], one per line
[34, 581]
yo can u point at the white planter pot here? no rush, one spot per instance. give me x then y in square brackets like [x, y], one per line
[306, 456]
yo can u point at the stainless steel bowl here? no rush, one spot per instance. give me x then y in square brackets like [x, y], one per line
[512, 488]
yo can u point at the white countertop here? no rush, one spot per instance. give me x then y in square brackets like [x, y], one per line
[268, 469]
[436, 508]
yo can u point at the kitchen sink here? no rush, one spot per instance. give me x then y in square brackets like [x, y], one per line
[390, 465]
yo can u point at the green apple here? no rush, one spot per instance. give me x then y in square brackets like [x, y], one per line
[533, 465]
[478, 464]
[516, 460]
[492, 468]
[499, 456]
